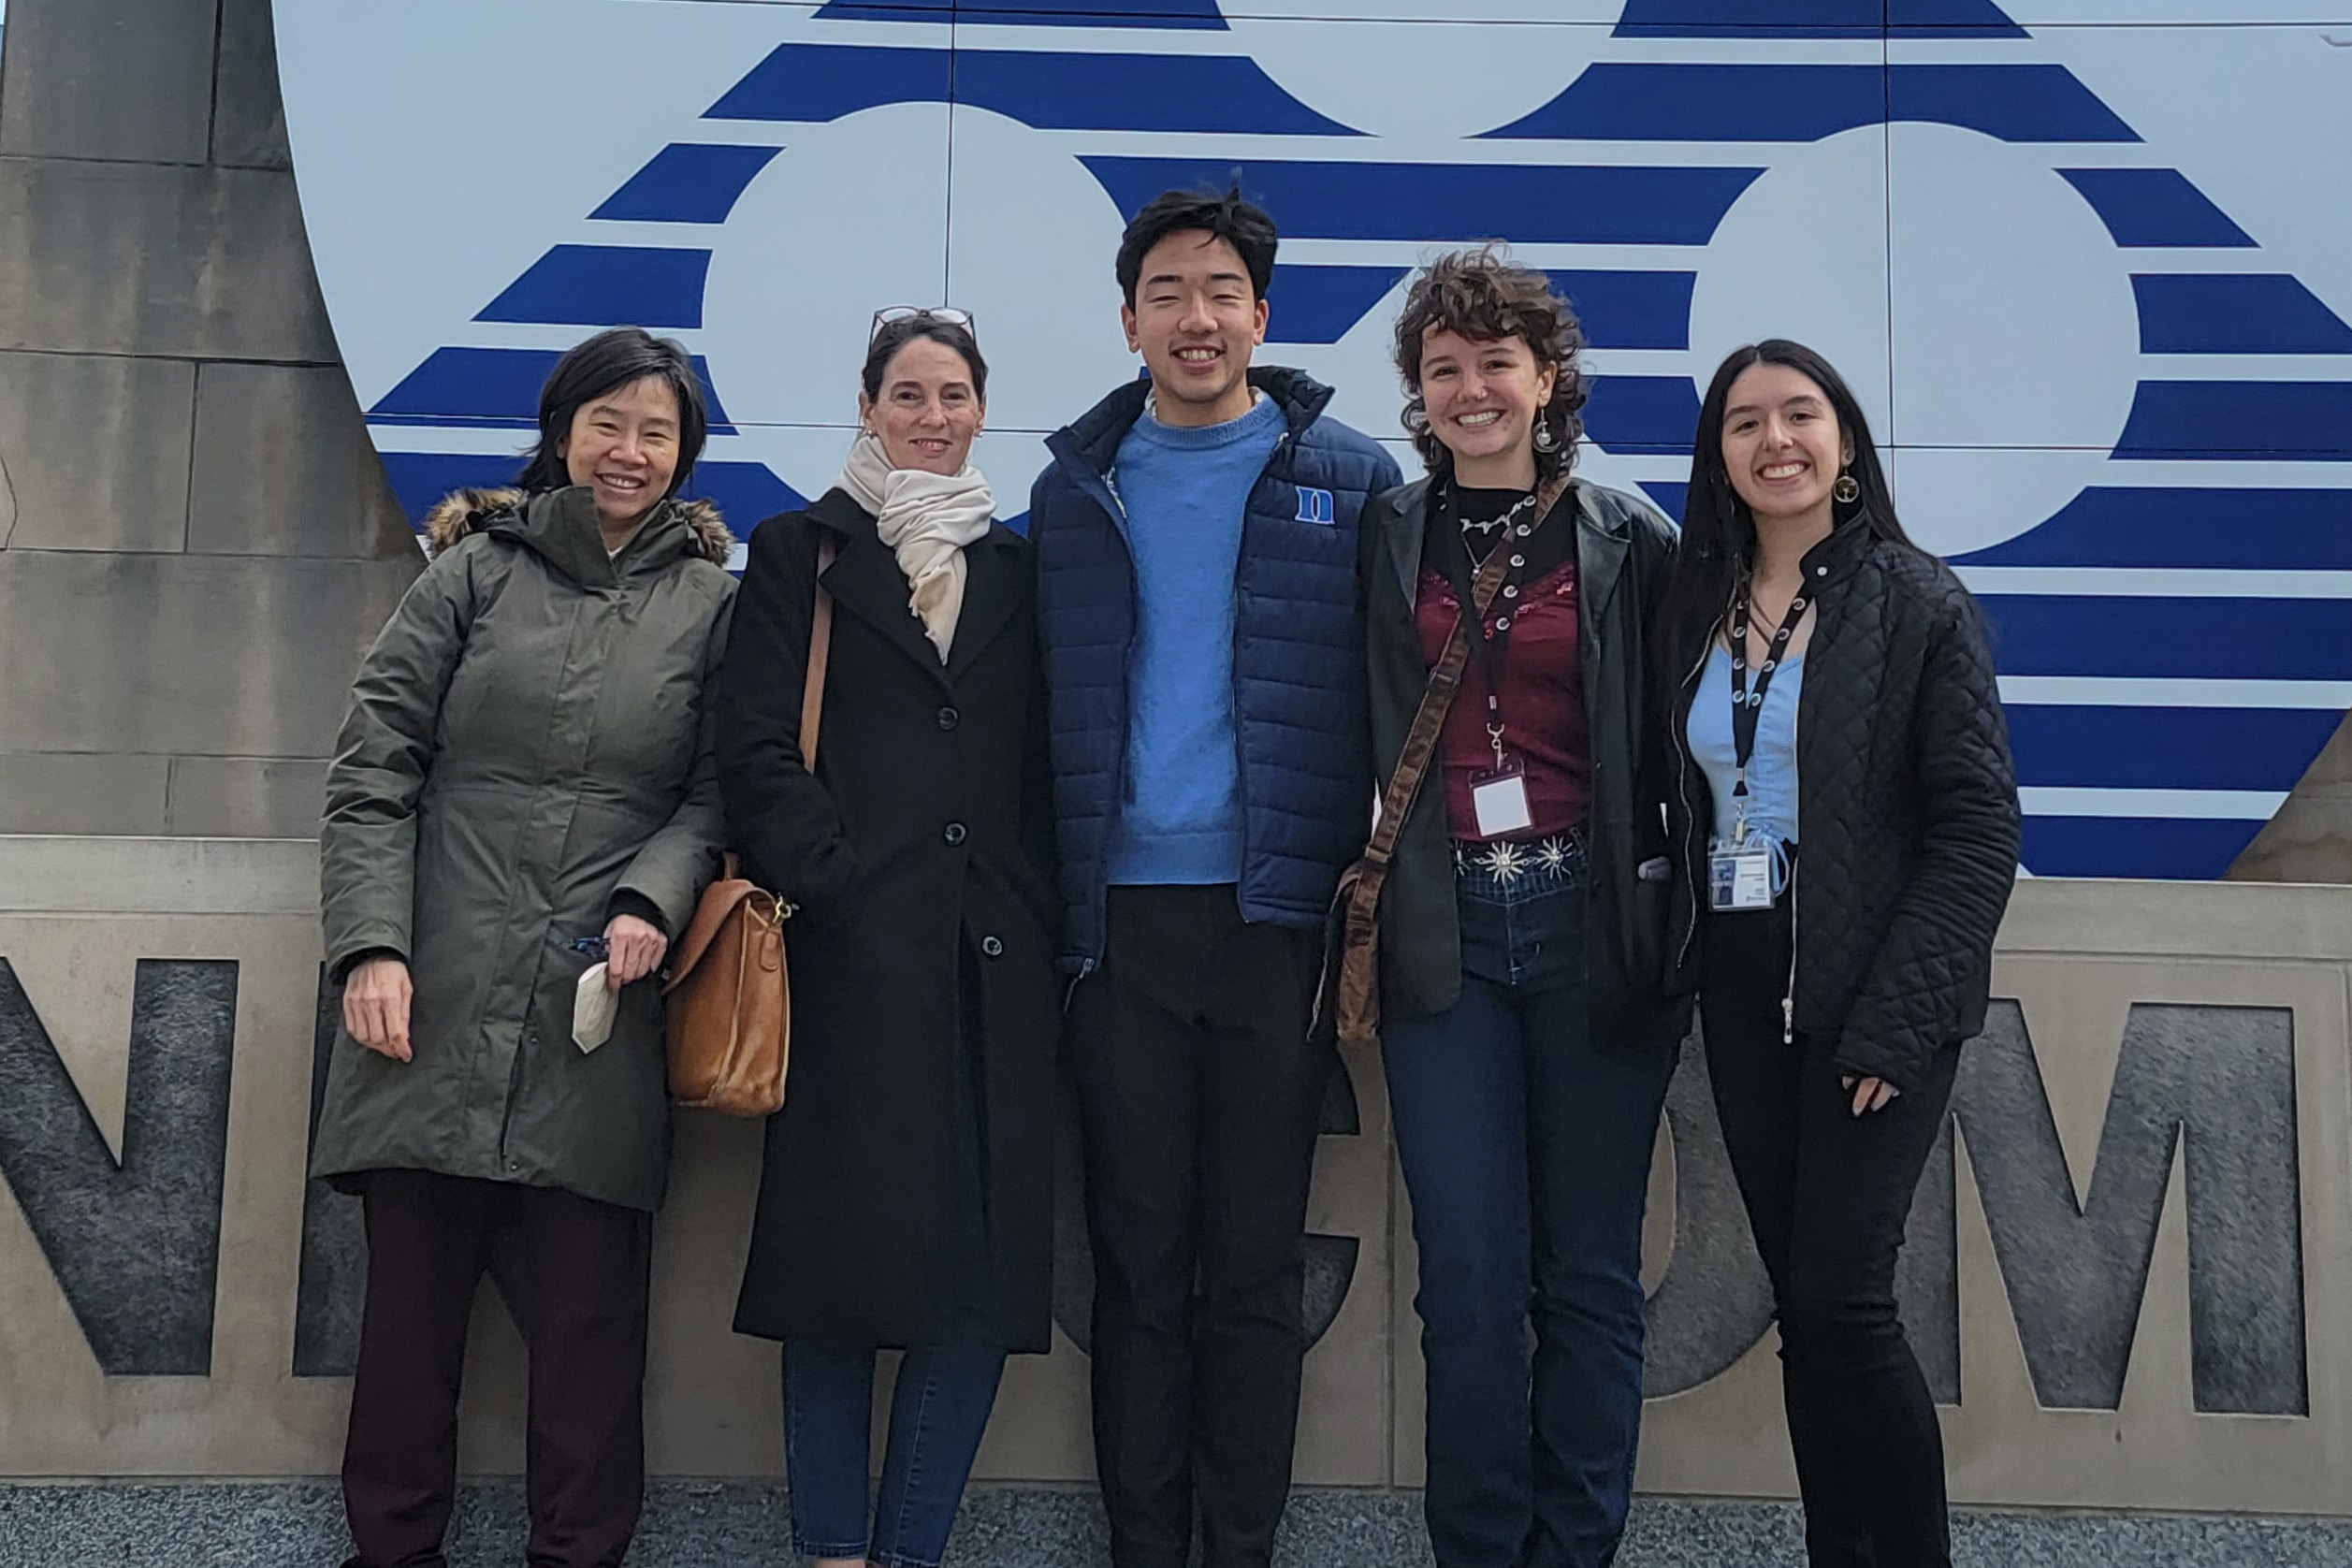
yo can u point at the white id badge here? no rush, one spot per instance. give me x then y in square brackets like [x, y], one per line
[1499, 802]
[1739, 880]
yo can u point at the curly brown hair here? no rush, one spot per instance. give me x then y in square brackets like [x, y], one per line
[1481, 294]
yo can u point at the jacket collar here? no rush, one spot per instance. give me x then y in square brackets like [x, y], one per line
[864, 578]
[1090, 442]
[561, 527]
[1603, 535]
[1847, 543]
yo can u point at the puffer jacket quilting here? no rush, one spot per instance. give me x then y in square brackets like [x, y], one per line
[1908, 815]
[1301, 720]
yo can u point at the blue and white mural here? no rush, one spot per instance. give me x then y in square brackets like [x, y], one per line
[2088, 261]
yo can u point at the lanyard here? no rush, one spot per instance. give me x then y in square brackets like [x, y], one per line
[1493, 645]
[1748, 706]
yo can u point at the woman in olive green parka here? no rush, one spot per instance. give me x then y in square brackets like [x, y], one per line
[523, 786]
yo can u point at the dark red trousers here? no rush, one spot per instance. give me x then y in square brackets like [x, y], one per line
[581, 1276]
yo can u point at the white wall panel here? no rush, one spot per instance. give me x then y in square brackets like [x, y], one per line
[2087, 266]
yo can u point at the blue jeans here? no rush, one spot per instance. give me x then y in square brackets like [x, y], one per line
[939, 1411]
[1525, 1148]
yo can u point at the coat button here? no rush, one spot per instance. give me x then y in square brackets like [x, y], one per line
[953, 834]
[993, 946]
[950, 719]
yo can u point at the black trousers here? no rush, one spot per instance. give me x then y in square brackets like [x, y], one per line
[584, 1279]
[1828, 1194]
[1200, 1098]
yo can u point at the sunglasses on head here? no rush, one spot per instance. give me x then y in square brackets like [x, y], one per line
[946, 315]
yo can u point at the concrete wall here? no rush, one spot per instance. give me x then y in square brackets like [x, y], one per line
[2124, 1277]
[196, 542]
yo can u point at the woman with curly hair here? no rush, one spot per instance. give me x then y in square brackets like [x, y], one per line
[1526, 1045]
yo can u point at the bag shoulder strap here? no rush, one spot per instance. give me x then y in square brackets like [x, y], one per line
[1437, 699]
[812, 692]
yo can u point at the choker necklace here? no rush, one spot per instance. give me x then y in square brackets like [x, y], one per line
[1508, 517]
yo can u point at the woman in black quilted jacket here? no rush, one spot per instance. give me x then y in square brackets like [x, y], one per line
[1846, 820]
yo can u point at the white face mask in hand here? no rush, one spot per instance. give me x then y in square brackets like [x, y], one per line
[594, 1007]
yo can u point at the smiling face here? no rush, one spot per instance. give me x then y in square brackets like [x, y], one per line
[1482, 399]
[928, 411]
[1196, 320]
[624, 446]
[1783, 445]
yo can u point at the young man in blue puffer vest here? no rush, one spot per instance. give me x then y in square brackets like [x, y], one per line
[1204, 656]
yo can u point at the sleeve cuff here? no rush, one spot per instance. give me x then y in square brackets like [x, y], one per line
[629, 902]
[345, 965]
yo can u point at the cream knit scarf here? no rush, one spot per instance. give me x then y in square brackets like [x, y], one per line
[926, 519]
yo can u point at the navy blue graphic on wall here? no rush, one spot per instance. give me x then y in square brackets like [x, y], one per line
[2158, 539]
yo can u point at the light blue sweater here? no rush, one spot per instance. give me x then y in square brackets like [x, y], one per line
[1184, 493]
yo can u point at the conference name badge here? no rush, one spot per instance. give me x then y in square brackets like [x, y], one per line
[1739, 878]
[1499, 800]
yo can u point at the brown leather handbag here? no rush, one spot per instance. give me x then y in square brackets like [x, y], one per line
[1347, 1000]
[730, 990]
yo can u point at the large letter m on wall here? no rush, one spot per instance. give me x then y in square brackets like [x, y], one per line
[2217, 1084]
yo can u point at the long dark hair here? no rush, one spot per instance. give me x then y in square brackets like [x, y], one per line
[605, 363]
[1719, 532]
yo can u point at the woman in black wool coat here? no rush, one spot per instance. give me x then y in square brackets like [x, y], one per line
[907, 1196]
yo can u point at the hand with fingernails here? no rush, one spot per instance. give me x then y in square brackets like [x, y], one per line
[376, 998]
[632, 950]
[1870, 1093]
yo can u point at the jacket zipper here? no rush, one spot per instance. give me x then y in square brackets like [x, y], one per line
[1241, 763]
[1788, 998]
[1118, 779]
[1682, 791]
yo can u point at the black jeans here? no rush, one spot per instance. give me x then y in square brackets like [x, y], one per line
[1828, 1192]
[1200, 1098]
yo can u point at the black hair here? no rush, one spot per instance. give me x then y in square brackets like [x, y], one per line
[1482, 295]
[605, 363]
[896, 334]
[1719, 532]
[1242, 225]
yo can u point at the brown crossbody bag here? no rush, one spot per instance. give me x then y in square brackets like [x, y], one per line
[730, 990]
[1347, 1001]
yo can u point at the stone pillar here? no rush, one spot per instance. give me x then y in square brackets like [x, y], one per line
[196, 542]
[2310, 840]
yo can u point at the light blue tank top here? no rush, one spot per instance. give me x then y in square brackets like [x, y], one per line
[1771, 771]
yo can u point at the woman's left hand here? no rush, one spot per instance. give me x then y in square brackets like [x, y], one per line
[632, 951]
[1870, 1093]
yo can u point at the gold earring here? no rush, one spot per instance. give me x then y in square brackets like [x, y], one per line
[1846, 490]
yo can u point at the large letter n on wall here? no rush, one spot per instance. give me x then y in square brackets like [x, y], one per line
[134, 1243]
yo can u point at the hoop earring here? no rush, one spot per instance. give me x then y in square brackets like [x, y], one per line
[1543, 439]
[1848, 490]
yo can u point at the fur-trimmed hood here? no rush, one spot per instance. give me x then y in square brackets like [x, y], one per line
[471, 511]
